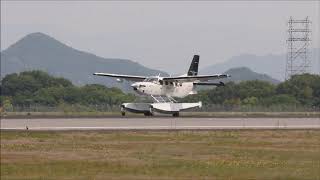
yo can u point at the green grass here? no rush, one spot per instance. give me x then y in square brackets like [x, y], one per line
[242, 154]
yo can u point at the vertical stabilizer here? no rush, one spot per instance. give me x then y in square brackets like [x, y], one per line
[193, 70]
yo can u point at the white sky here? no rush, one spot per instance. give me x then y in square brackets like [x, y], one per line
[162, 35]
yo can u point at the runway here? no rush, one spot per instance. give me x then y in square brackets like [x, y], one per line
[156, 123]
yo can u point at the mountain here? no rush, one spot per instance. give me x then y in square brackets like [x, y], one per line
[245, 74]
[273, 65]
[38, 51]
[239, 74]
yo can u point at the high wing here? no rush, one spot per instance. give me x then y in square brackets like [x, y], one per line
[122, 76]
[196, 78]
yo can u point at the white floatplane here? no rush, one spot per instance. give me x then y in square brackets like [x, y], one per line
[164, 89]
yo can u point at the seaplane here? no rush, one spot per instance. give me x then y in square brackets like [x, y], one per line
[163, 90]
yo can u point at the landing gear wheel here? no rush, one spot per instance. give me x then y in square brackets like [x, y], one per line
[175, 114]
[123, 112]
[148, 114]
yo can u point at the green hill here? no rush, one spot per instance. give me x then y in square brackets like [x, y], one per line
[38, 51]
[246, 74]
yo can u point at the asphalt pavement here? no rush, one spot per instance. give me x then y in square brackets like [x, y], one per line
[155, 123]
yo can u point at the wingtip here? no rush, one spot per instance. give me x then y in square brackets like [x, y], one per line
[225, 75]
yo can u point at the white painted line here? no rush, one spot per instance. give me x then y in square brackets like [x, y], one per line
[166, 127]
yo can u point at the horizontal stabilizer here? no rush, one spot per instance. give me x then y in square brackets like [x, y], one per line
[208, 84]
[194, 78]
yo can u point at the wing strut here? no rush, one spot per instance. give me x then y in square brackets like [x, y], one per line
[163, 99]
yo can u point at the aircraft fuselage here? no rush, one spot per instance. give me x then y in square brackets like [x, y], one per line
[158, 88]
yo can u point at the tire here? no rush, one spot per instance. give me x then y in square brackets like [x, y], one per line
[148, 114]
[175, 114]
[123, 112]
[151, 111]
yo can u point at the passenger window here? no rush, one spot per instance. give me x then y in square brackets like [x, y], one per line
[171, 83]
[161, 82]
[166, 82]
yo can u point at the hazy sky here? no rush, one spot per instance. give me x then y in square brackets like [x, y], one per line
[162, 35]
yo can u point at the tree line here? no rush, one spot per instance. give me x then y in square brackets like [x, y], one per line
[38, 87]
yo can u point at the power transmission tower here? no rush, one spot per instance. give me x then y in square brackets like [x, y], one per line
[298, 60]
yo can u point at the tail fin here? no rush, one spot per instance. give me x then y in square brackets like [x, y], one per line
[193, 70]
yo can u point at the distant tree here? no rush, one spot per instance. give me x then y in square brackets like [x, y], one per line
[232, 102]
[49, 96]
[251, 101]
[27, 83]
[281, 99]
[305, 88]
[38, 87]
[46, 80]
[7, 105]
[255, 88]
[220, 94]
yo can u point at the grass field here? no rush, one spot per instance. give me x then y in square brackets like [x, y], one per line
[242, 154]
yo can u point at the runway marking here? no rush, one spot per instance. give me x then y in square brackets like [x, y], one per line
[166, 127]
